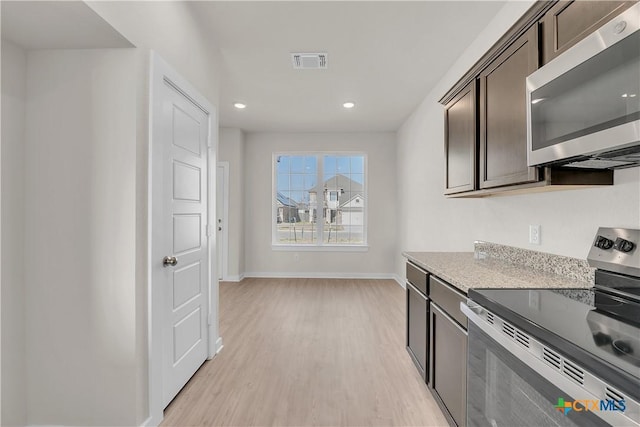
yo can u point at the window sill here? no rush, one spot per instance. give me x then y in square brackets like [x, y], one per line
[323, 248]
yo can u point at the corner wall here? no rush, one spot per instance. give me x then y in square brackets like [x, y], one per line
[14, 71]
[231, 149]
[378, 261]
[81, 163]
[172, 29]
[431, 222]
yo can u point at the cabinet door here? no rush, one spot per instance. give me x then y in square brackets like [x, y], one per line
[568, 22]
[460, 141]
[417, 310]
[503, 114]
[449, 364]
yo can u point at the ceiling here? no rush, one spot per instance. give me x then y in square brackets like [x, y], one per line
[57, 25]
[383, 55]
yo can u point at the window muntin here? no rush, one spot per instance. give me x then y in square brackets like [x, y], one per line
[319, 195]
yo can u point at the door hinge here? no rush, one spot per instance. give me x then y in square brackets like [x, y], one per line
[209, 230]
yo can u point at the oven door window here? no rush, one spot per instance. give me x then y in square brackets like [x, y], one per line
[503, 391]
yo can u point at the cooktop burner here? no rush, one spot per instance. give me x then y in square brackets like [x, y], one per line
[620, 339]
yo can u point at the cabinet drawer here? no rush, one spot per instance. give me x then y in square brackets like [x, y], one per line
[448, 299]
[417, 277]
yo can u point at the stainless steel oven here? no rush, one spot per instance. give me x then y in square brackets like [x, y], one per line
[514, 379]
[560, 357]
[583, 108]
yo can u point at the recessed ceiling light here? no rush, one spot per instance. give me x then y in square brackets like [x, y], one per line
[240, 105]
[349, 104]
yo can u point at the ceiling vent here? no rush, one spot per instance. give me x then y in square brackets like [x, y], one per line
[309, 61]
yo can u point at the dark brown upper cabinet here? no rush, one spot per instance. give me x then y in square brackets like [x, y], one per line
[568, 22]
[485, 111]
[503, 114]
[460, 141]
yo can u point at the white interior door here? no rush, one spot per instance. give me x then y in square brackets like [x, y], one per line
[184, 262]
[222, 207]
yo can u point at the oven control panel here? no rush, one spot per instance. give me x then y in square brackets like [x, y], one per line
[616, 249]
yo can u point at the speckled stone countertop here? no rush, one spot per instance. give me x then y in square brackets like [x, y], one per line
[464, 271]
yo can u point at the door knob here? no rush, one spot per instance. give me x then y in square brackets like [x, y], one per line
[169, 261]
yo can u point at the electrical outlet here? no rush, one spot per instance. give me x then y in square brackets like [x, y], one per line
[534, 234]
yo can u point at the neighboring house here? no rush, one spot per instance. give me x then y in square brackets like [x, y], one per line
[343, 201]
[352, 212]
[303, 212]
[287, 209]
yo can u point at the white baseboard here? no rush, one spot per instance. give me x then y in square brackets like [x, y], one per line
[312, 275]
[400, 282]
[234, 278]
[145, 423]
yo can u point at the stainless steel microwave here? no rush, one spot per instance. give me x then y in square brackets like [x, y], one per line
[583, 107]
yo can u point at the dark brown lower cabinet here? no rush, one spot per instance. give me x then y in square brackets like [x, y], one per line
[418, 318]
[417, 328]
[449, 379]
[448, 350]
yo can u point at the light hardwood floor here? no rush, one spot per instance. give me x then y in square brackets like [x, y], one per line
[308, 352]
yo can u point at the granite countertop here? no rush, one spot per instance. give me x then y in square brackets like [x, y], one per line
[464, 271]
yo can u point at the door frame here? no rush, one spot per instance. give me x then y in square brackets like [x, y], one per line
[224, 244]
[161, 72]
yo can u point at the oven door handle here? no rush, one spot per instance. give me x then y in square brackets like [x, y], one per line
[473, 311]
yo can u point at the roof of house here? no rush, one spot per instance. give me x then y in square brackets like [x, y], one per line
[348, 188]
[357, 201]
[286, 201]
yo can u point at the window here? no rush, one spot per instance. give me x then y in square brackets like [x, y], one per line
[319, 200]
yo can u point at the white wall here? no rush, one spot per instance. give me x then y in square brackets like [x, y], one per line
[231, 149]
[171, 29]
[14, 70]
[81, 237]
[261, 260]
[430, 222]
[84, 321]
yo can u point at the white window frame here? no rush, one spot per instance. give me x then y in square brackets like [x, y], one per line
[319, 246]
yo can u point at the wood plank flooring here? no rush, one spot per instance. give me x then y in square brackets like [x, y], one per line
[308, 352]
